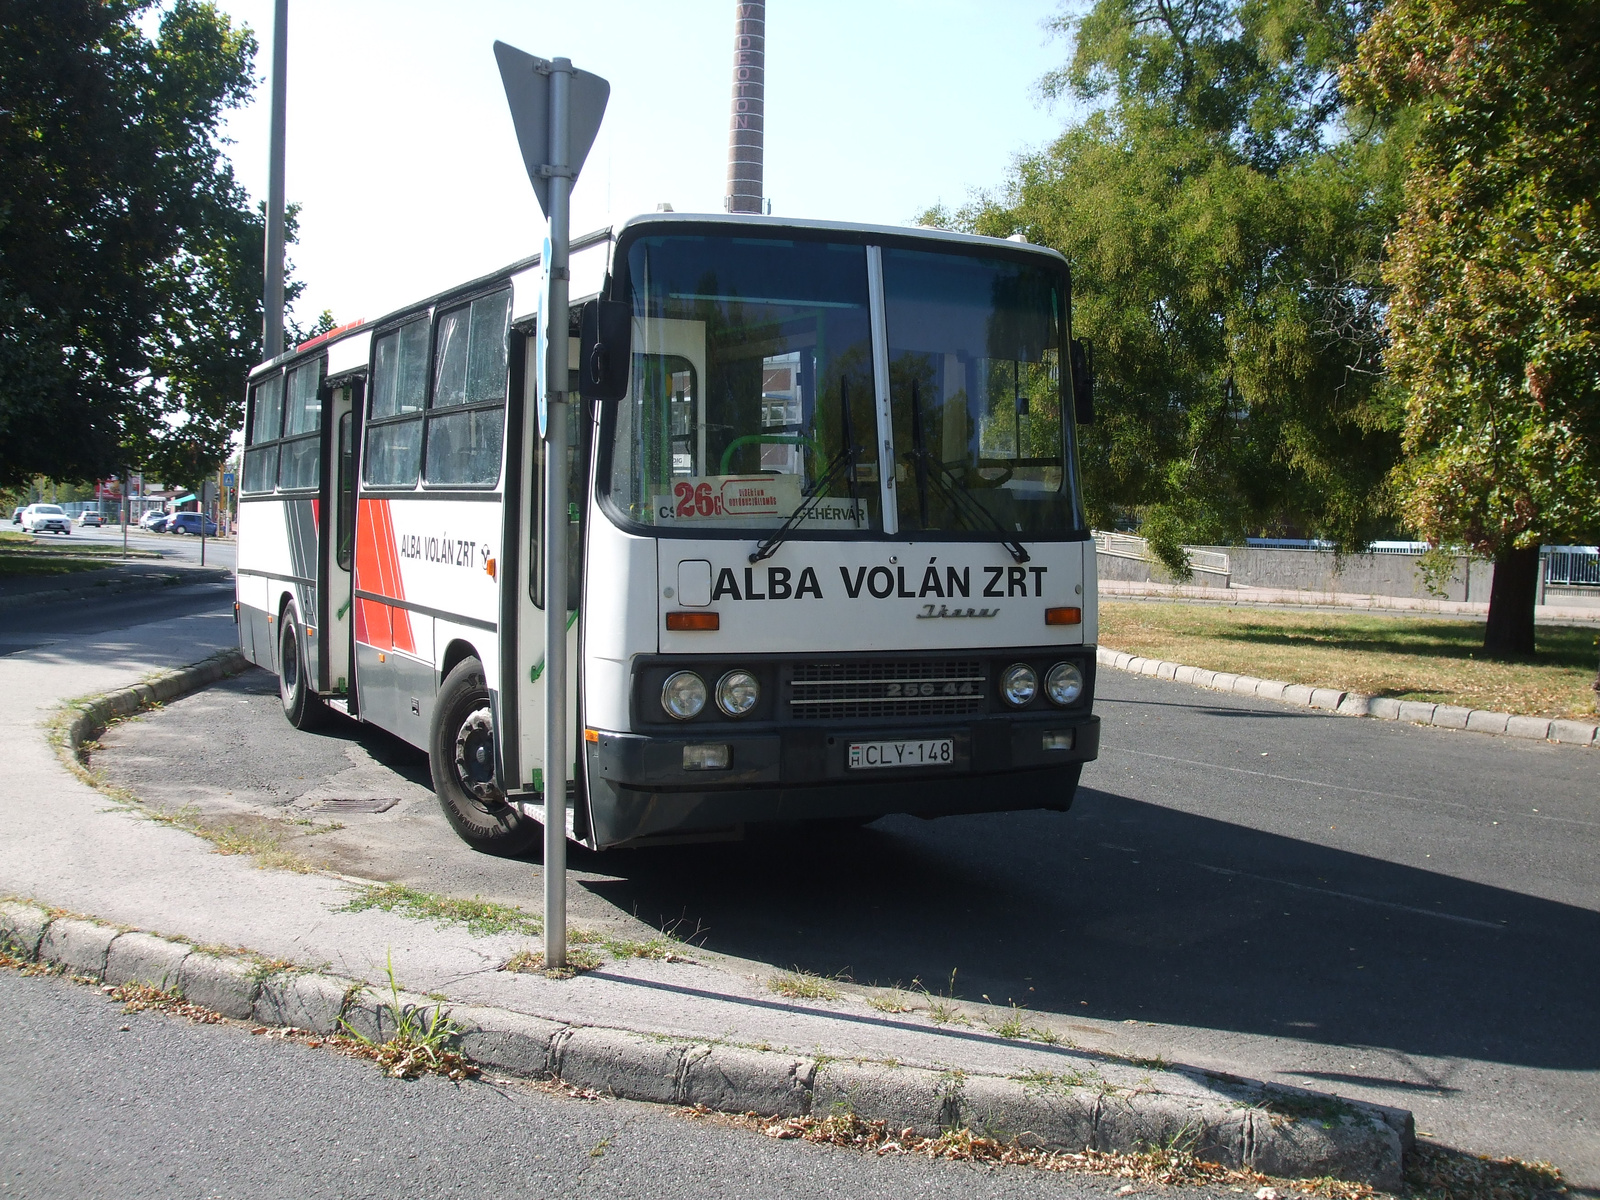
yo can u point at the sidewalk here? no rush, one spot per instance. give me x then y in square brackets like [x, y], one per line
[1544, 613]
[65, 845]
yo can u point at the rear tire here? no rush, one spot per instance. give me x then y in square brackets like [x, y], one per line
[461, 759]
[301, 704]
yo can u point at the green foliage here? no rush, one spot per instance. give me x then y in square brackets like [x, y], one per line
[1495, 266]
[130, 258]
[1224, 217]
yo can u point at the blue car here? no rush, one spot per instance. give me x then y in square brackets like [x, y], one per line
[189, 522]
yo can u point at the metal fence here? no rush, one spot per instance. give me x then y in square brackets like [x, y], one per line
[1572, 566]
[1127, 545]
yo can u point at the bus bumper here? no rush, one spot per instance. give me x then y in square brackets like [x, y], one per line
[640, 788]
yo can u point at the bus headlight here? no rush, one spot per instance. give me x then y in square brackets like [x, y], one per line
[737, 693]
[683, 695]
[1063, 684]
[1019, 684]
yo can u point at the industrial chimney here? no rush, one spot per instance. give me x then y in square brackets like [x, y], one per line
[747, 129]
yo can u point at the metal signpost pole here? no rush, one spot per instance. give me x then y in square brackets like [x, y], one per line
[555, 528]
[557, 112]
[205, 489]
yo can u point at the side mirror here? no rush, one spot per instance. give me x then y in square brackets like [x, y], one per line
[1082, 382]
[605, 330]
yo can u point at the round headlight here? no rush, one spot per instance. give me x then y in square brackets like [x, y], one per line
[683, 695]
[737, 693]
[1064, 684]
[1019, 684]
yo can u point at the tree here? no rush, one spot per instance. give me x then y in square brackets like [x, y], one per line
[1224, 229]
[130, 258]
[1495, 270]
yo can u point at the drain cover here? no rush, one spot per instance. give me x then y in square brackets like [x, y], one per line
[379, 804]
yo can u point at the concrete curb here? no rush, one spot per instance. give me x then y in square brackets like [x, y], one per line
[150, 582]
[90, 717]
[1355, 704]
[1277, 1131]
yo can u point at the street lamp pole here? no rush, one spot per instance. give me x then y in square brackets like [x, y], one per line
[272, 288]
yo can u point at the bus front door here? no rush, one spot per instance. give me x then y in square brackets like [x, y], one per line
[337, 657]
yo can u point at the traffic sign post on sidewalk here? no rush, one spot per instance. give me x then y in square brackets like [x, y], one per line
[556, 110]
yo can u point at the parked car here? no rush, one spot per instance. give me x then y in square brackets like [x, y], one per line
[16, 516]
[46, 518]
[154, 521]
[92, 519]
[189, 522]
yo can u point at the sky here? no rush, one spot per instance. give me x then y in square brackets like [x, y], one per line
[402, 156]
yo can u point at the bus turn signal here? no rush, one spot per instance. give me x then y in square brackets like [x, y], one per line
[693, 622]
[1063, 616]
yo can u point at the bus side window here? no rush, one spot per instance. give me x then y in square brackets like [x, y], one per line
[345, 531]
[466, 419]
[266, 423]
[300, 458]
[399, 385]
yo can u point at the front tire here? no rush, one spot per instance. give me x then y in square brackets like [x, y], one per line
[461, 759]
[301, 704]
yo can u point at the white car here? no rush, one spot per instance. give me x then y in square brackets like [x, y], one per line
[45, 518]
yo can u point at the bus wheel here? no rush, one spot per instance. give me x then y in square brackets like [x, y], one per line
[461, 758]
[301, 704]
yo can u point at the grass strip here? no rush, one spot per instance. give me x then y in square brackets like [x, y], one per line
[482, 917]
[1405, 658]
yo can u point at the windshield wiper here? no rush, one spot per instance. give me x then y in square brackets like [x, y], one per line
[844, 460]
[960, 501]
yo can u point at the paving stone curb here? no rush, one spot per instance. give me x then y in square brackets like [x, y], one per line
[1355, 704]
[1238, 1122]
[90, 717]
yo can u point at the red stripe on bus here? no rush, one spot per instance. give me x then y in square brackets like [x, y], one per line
[372, 618]
[378, 570]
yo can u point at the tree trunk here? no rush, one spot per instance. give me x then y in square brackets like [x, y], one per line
[1511, 598]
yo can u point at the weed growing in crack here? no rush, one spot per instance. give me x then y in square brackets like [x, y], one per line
[941, 1009]
[802, 985]
[531, 962]
[420, 1044]
[889, 1002]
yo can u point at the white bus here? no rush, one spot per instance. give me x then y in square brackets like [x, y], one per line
[829, 556]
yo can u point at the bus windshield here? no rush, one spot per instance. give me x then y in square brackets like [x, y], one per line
[752, 401]
[975, 376]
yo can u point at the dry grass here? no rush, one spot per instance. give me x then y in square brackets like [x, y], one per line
[799, 985]
[1407, 658]
[141, 997]
[531, 962]
[482, 917]
[1432, 1172]
[1160, 1166]
[1440, 1173]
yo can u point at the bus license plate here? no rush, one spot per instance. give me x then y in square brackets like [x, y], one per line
[935, 752]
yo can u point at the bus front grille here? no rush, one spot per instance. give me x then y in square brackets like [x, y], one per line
[922, 688]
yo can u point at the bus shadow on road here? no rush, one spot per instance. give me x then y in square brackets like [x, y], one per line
[1123, 910]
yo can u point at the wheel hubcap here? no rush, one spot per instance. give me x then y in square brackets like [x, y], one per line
[475, 756]
[291, 663]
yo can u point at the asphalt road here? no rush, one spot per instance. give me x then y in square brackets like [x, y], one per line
[175, 1109]
[1395, 913]
[29, 626]
[183, 547]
